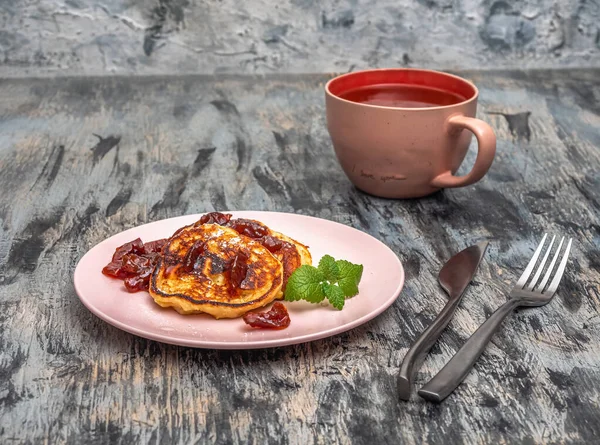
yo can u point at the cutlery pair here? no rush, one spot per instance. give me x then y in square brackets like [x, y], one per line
[454, 278]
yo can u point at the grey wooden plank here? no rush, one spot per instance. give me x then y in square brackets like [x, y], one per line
[168, 146]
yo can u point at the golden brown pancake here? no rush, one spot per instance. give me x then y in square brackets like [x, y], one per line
[214, 269]
[291, 253]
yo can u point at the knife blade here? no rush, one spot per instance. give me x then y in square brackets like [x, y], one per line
[454, 277]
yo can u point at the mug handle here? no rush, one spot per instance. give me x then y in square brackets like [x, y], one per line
[486, 141]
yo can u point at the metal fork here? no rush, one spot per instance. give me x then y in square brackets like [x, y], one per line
[522, 294]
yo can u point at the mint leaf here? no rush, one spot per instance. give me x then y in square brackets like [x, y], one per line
[305, 284]
[336, 280]
[350, 275]
[335, 295]
[329, 268]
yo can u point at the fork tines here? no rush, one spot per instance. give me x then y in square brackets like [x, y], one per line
[540, 286]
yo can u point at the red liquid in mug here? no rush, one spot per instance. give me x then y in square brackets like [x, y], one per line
[401, 96]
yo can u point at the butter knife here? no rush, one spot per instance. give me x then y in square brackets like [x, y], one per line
[454, 278]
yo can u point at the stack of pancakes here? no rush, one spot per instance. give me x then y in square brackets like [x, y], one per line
[225, 267]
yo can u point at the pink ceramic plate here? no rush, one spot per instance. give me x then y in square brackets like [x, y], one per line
[382, 280]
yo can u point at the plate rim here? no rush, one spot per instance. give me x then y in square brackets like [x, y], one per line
[241, 345]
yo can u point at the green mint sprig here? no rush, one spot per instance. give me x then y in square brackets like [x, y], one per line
[334, 280]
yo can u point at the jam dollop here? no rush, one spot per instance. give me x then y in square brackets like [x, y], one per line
[260, 233]
[215, 218]
[275, 318]
[191, 258]
[235, 268]
[210, 218]
[239, 269]
[134, 262]
[248, 227]
[272, 243]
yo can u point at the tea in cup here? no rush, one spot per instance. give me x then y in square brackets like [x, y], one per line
[403, 133]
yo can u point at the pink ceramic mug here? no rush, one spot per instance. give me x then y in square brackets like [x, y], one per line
[397, 152]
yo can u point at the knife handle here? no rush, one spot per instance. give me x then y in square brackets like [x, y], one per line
[416, 354]
[446, 381]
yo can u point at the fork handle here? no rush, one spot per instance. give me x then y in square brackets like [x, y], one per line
[446, 381]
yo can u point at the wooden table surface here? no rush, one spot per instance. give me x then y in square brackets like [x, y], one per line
[83, 159]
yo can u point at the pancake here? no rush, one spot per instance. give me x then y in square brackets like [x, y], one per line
[291, 253]
[216, 270]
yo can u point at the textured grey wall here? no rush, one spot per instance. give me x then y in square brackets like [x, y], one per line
[72, 37]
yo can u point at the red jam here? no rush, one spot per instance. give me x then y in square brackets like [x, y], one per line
[239, 269]
[210, 218]
[271, 243]
[134, 263]
[195, 252]
[136, 246]
[251, 229]
[275, 318]
[259, 232]
[215, 218]
[154, 246]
